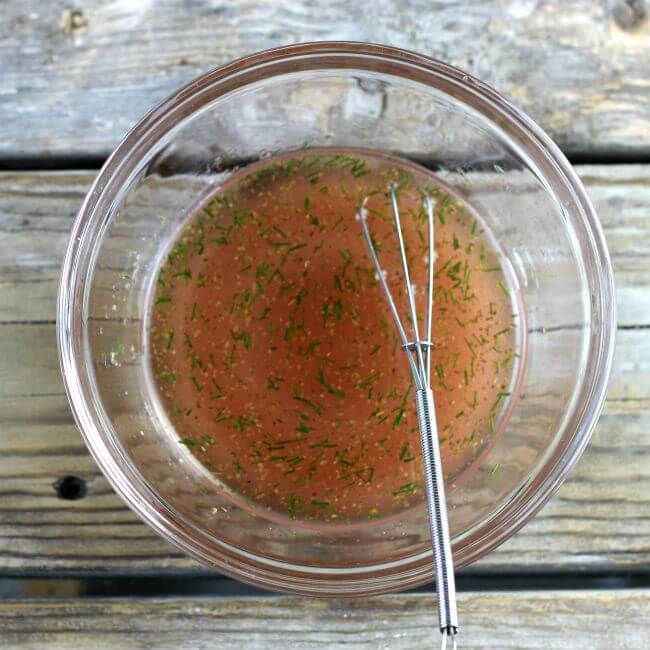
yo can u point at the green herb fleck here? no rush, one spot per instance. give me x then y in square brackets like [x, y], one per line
[322, 380]
[407, 489]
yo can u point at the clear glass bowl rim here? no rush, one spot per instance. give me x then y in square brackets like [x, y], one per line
[78, 376]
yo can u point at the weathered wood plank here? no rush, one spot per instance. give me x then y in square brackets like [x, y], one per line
[598, 520]
[73, 83]
[561, 620]
[37, 210]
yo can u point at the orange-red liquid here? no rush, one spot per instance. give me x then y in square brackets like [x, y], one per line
[274, 352]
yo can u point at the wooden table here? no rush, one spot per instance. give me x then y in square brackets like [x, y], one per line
[73, 79]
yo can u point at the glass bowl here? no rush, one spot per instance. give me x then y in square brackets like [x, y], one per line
[347, 95]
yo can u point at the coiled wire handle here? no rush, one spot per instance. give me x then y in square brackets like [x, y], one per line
[437, 506]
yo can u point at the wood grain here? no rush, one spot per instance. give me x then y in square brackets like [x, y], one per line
[598, 521]
[549, 620]
[73, 82]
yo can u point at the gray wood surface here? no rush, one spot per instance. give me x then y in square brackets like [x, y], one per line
[598, 521]
[75, 76]
[549, 620]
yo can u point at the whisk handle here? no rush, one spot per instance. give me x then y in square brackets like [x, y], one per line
[439, 523]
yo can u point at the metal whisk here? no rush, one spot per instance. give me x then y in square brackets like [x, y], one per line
[418, 352]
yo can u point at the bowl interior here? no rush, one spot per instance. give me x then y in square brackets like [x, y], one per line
[350, 97]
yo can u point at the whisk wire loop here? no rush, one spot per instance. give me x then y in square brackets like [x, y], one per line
[418, 348]
[409, 286]
[431, 260]
[381, 276]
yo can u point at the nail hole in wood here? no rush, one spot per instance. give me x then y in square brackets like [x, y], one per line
[70, 488]
[629, 15]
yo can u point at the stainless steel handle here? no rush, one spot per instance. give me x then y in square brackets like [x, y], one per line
[437, 505]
